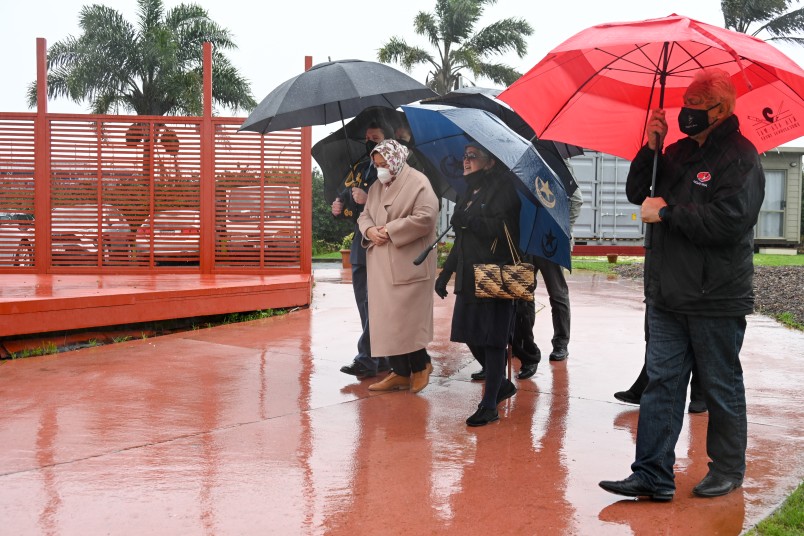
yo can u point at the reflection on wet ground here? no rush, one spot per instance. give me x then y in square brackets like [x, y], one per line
[251, 429]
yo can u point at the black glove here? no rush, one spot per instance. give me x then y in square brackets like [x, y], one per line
[441, 284]
[459, 219]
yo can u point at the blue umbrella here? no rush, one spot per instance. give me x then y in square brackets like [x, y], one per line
[552, 152]
[442, 132]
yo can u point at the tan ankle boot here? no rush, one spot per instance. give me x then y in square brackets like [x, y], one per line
[421, 379]
[392, 382]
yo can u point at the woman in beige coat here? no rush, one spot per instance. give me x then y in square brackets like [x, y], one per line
[398, 223]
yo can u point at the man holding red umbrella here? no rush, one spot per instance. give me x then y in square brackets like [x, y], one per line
[698, 285]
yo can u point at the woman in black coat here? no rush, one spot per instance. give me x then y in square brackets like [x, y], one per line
[484, 324]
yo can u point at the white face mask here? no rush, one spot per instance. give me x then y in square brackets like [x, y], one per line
[384, 175]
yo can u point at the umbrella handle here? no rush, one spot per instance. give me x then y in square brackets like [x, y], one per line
[426, 252]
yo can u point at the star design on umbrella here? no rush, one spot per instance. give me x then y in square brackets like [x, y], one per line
[544, 193]
[549, 244]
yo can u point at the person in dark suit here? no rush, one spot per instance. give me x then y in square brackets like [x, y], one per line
[349, 204]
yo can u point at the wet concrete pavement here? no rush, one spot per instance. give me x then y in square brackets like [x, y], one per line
[251, 429]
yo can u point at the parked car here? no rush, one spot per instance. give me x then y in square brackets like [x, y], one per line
[16, 238]
[173, 236]
[79, 232]
[261, 218]
[16, 214]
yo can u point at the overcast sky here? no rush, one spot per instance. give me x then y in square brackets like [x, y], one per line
[274, 36]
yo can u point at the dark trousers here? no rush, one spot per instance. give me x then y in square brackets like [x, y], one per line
[558, 291]
[712, 345]
[696, 393]
[405, 364]
[492, 360]
[360, 288]
[523, 346]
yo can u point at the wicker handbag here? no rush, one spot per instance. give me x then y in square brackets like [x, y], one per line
[505, 281]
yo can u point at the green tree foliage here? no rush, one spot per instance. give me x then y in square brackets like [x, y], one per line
[153, 68]
[325, 227]
[451, 31]
[772, 18]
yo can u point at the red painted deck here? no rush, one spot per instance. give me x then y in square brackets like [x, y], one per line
[31, 303]
[603, 250]
[251, 429]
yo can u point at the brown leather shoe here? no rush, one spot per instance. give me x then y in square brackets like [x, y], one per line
[421, 378]
[392, 382]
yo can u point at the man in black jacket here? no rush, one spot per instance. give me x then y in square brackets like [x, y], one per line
[698, 286]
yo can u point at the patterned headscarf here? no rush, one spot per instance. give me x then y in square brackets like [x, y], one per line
[394, 153]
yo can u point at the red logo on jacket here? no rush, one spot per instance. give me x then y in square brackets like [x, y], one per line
[704, 176]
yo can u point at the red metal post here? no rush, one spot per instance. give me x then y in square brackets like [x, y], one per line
[41, 163]
[307, 193]
[207, 244]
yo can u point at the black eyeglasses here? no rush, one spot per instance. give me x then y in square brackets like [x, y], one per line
[470, 156]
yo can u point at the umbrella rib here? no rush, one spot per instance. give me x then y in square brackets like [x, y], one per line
[691, 57]
[774, 78]
[578, 90]
[608, 66]
[640, 68]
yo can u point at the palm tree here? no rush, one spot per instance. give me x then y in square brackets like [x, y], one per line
[771, 17]
[154, 68]
[451, 31]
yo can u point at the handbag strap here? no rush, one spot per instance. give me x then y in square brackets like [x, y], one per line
[514, 254]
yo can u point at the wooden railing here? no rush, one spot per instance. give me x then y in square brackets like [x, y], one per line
[115, 193]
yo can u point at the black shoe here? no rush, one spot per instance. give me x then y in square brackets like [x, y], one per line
[483, 416]
[526, 371]
[479, 375]
[627, 396]
[633, 487]
[507, 390]
[384, 365]
[697, 406]
[358, 369]
[715, 486]
[559, 354]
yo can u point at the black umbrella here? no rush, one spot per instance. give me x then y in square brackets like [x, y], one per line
[333, 91]
[483, 98]
[338, 152]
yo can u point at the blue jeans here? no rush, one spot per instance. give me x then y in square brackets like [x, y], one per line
[713, 345]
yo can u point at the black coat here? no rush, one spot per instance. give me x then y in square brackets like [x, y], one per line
[701, 256]
[490, 200]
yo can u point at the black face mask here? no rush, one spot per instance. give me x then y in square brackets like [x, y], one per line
[692, 121]
[370, 145]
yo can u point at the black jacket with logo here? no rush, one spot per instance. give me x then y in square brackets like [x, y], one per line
[701, 256]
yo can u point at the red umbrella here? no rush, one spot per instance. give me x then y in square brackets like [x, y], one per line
[597, 88]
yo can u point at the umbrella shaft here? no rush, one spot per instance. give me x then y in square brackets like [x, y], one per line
[649, 228]
[426, 252]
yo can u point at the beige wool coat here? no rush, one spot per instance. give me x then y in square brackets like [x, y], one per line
[400, 294]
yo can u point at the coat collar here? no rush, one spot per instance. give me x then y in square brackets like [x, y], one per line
[390, 193]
